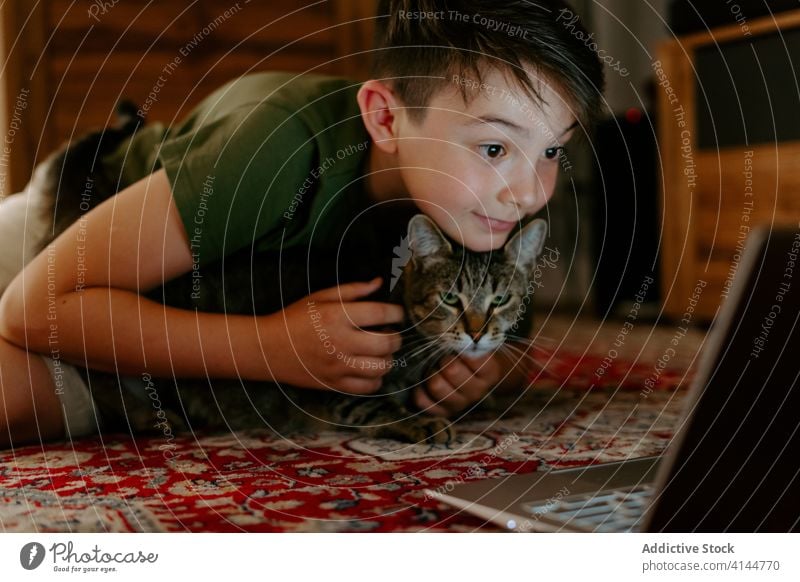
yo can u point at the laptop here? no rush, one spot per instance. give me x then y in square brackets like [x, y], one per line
[734, 462]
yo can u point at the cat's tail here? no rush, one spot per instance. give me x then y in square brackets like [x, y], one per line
[129, 116]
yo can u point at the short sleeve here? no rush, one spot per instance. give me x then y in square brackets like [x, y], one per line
[235, 177]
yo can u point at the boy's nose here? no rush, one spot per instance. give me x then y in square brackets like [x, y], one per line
[525, 200]
[525, 193]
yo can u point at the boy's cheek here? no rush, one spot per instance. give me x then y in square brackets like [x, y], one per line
[434, 167]
[431, 179]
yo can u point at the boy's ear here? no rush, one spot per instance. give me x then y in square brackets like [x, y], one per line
[379, 107]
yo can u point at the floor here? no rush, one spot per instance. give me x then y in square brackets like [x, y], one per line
[600, 395]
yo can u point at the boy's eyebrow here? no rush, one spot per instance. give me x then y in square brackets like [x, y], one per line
[500, 121]
[510, 124]
[574, 125]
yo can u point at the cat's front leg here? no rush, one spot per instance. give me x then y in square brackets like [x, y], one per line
[417, 429]
[386, 417]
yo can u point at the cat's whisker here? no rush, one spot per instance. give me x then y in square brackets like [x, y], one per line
[516, 351]
[440, 350]
[519, 339]
[540, 349]
[551, 358]
[533, 348]
[521, 358]
[531, 343]
[413, 345]
[527, 346]
[417, 338]
[437, 352]
[423, 359]
[532, 364]
[532, 340]
[421, 348]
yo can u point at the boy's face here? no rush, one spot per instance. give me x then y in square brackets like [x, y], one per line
[478, 169]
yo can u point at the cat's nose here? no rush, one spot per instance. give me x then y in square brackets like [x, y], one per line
[476, 323]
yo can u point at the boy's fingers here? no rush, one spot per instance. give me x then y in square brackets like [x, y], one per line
[475, 362]
[444, 394]
[359, 385]
[426, 405]
[347, 291]
[367, 313]
[369, 367]
[457, 372]
[374, 343]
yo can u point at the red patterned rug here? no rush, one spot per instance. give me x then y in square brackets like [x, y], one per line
[337, 481]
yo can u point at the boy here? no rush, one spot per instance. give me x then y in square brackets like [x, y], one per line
[464, 120]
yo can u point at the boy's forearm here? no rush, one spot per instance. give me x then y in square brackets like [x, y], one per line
[118, 330]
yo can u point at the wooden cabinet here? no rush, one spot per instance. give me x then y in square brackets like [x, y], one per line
[729, 140]
[75, 59]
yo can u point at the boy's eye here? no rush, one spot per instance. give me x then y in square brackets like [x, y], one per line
[493, 150]
[553, 153]
[449, 298]
[500, 300]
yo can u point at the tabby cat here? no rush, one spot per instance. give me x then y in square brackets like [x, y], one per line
[456, 301]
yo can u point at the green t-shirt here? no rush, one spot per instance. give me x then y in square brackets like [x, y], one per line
[268, 155]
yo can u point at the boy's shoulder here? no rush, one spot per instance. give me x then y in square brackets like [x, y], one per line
[269, 155]
[318, 100]
[292, 146]
[248, 107]
[313, 118]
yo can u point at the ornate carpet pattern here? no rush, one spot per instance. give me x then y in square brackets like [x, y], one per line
[340, 481]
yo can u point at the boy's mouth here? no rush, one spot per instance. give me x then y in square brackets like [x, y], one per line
[494, 225]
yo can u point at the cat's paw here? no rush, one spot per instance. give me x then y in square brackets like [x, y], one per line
[419, 429]
[437, 429]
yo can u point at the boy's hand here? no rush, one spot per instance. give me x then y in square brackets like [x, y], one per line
[316, 341]
[460, 382]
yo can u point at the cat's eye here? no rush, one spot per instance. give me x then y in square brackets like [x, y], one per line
[449, 298]
[500, 300]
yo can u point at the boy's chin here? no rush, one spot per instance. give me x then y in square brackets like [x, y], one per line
[477, 242]
[485, 244]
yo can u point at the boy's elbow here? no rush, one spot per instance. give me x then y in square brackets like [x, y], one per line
[21, 326]
[9, 326]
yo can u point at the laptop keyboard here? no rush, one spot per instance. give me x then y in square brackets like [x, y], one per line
[613, 510]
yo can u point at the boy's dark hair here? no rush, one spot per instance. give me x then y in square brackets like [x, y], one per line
[420, 54]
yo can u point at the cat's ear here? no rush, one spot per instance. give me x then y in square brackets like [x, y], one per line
[525, 246]
[425, 238]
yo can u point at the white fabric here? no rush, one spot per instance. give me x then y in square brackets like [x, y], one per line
[16, 237]
[23, 222]
[81, 416]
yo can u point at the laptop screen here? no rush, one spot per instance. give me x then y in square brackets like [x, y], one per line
[735, 463]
